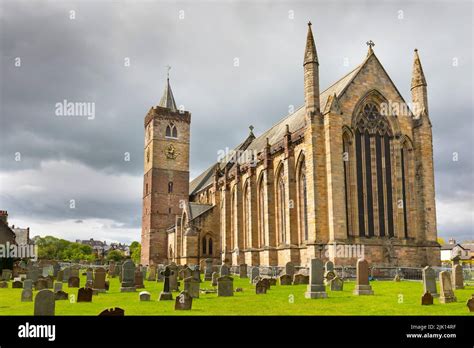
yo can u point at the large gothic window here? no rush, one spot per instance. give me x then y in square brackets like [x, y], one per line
[281, 206]
[303, 202]
[347, 181]
[261, 213]
[247, 215]
[233, 217]
[405, 186]
[374, 173]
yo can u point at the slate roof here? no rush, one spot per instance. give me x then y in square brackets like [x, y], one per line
[167, 100]
[295, 121]
[197, 209]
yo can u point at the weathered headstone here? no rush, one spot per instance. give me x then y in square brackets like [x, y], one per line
[58, 286]
[33, 274]
[446, 288]
[426, 299]
[470, 304]
[166, 294]
[128, 277]
[159, 273]
[243, 270]
[99, 279]
[316, 288]
[84, 295]
[28, 284]
[254, 273]
[260, 287]
[196, 273]
[26, 295]
[300, 279]
[112, 312]
[224, 270]
[192, 285]
[429, 281]
[208, 270]
[215, 275]
[290, 269]
[74, 282]
[458, 278]
[3, 284]
[184, 301]
[286, 279]
[17, 284]
[56, 269]
[139, 279]
[266, 282]
[61, 296]
[6, 274]
[336, 284]
[111, 271]
[145, 296]
[41, 284]
[173, 277]
[362, 280]
[152, 273]
[60, 275]
[89, 276]
[44, 303]
[225, 286]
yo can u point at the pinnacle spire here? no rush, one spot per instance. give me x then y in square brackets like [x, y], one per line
[418, 77]
[371, 44]
[310, 55]
[167, 100]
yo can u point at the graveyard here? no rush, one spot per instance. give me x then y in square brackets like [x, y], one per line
[389, 297]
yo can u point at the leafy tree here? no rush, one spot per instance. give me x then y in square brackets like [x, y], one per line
[135, 252]
[115, 255]
[440, 241]
[52, 248]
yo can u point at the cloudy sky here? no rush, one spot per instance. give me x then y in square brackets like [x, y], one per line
[113, 54]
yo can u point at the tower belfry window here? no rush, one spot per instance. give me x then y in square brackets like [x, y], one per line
[171, 131]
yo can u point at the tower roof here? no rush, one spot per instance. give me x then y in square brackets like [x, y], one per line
[418, 77]
[167, 100]
[310, 55]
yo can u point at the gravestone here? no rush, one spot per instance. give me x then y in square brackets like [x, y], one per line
[396, 278]
[56, 269]
[215, 275]
[316, 288]
[145, 296]
[184, 301]
[458, 278]
[470, 304]
[99, 279]
[159, 273]
[260, 287]
[66, 274]
[243, 270]
[33, 274]
[166, 294]
[446, 288]
[58, 286]
[336, 284]
[49, 282]
[225, 286]
[74, 282]
[300, 279]
[112, 312]
[61, 296]
[290, 269]
[362, 280]
[45, 271]
[426, 299]
[266, 282]
[84, 295]
[254, 273]
[128, 277]
[224, 270]
[28, 284]
[17, 285]
[152, 273]
[173, 278]
[285, 279]
[208, 271]
[41, 284]
[196, 273]
[44, 303]
[74, 272]
[60, 276]
[26, 295]
[89, 277]
[191, 285]
[3, 284]
[6, 274]
[429, 281]
[111, 271]
[118, 271]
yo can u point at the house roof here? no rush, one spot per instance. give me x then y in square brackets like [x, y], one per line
[197, 209]
[452, 246]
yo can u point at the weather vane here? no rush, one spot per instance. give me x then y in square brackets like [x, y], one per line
[168, 68]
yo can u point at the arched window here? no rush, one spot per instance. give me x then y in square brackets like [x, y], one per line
[374, 172]
[171, 131]
[209, 248]
[233, 217]
[170, 187]
[281, 204]
[303, 202]
[404, 156]
[347, 180]
[204, 245]
[261, 213]
[247, 215]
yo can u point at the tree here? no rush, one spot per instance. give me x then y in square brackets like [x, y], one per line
[440, 241]
[135, 252]
[52, 248]
[115, 255]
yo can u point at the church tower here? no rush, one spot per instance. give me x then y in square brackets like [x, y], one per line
[166, 179]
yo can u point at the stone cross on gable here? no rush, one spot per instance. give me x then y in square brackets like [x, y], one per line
[166, 274]
[168, 68]
[370, 43]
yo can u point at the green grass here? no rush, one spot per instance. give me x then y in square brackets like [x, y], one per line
[279, 300]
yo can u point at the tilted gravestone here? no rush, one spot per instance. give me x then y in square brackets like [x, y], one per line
[446, 288]
[84, 295]
[426, 299]
[243, 270]
[144, 296]
[45, 304]
[429, 281]
[458, 278]
[191, 285]
[285, 279]
[128, 277]
[362, 280]
[225, 286]
[184, 301]
[336, 284]
[166, 294]
[316, 288]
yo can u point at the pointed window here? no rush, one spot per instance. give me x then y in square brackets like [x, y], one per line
[261, 212]
[303, 202]
[168, 131]
[170, 187]
[171, 131]
[281, 202]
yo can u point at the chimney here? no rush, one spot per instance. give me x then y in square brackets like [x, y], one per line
[4, 216]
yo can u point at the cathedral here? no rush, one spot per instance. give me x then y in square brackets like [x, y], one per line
[352, 167]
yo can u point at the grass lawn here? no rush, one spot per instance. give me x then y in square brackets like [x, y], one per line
[391, 298]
